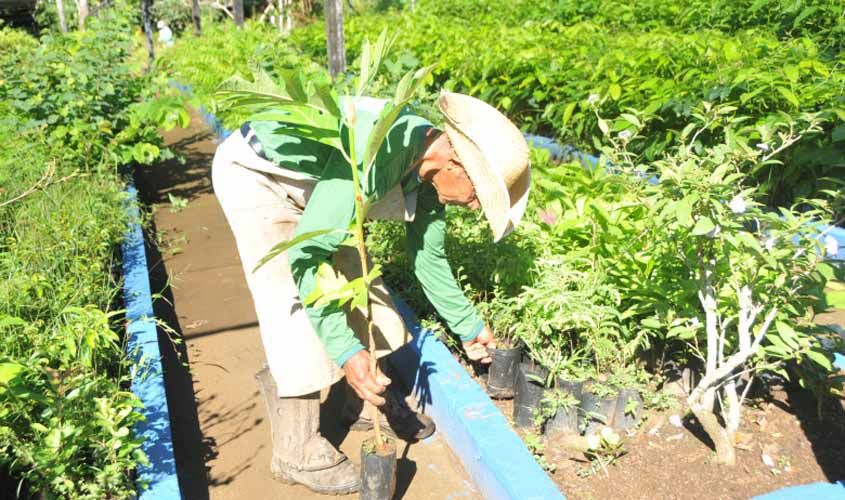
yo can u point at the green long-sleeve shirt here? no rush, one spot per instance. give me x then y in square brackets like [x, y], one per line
[332, 206]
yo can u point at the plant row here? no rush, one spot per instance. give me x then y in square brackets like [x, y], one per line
[71, 114]
[541, 62]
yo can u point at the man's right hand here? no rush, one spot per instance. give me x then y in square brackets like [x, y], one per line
[357, 369]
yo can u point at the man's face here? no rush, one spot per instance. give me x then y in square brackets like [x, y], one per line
[451, 180]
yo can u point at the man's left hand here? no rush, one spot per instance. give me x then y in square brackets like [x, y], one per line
[476, 348]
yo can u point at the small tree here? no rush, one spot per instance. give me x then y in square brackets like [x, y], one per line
[756, 272]
[316, 113]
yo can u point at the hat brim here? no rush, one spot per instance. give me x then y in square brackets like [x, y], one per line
[489, 187]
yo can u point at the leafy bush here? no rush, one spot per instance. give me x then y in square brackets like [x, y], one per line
[223, 51]
[542, 61]
[72, 112]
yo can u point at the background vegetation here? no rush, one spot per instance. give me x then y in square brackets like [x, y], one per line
[72, 112]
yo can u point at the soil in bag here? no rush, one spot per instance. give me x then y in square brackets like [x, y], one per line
[501, 374]
[528, 392]
[629, 407]
[378, 470]
[566, 417]
[597, 411]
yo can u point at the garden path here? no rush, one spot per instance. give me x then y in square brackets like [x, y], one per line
[220, 431]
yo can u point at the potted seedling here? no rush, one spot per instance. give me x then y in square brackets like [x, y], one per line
[315, 112]
[629, 403]
[598, 405]
[501, 374]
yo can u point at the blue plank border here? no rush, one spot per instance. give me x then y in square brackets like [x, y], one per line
[142, 346]
[493, 455]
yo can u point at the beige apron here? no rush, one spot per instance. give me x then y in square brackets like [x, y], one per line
[263, 204]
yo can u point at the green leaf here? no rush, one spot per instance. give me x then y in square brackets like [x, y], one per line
[835, 298]
[650, 323]
[791, 72]
[703, 226]
[807, 12]
[820, 358]
[615, 91]
[787, 335]
[237, 91]
[683, 210]
[785, 92]
[6, 320]
[567, 113]
[306, 123]
[731, 51]
[283, 247]
[329, 99]
[364, 77]
[293, 85]
[406, 93]
[603, 126]
[633, 120]
[10, 371]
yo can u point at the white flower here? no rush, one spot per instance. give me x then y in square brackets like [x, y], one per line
[763, 146]
[737, 204]
[831, 246]
[594, 98]
[675, 420]
[593, 442]
[625, 135]
[694, 322]
[770, 243]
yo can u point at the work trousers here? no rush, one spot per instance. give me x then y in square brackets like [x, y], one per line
[263, 204]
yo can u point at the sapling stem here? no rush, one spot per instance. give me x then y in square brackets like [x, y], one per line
[365, 273]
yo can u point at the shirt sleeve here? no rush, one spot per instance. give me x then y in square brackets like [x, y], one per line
[426, 237]
[331, 206]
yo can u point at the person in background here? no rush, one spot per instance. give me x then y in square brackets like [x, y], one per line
[165, 34]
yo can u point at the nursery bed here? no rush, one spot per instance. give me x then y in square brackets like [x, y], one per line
[668, 462]
[220, 431]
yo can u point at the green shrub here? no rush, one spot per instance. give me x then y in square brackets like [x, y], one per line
[72, 113]
[540, 62]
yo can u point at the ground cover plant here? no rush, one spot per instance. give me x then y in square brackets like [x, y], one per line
[71, 114]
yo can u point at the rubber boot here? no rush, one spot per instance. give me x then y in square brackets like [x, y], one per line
[300, 454]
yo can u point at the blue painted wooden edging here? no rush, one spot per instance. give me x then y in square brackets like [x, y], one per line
[148, 377]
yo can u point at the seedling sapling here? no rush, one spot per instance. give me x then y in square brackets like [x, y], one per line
[313, 111]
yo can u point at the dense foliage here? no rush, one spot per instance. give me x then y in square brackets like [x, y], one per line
[72, 112]
[542, 61]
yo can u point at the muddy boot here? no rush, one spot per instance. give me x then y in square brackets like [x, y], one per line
[396, 416]
[300, 454]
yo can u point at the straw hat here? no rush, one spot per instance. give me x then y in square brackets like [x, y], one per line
[495, 156]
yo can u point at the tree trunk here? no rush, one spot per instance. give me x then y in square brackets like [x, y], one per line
[239, 12]
[196, 17]
[146, 17]
[334, 38]
[82, 10]
[281, 17]
[725, 454]
[60, 10]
